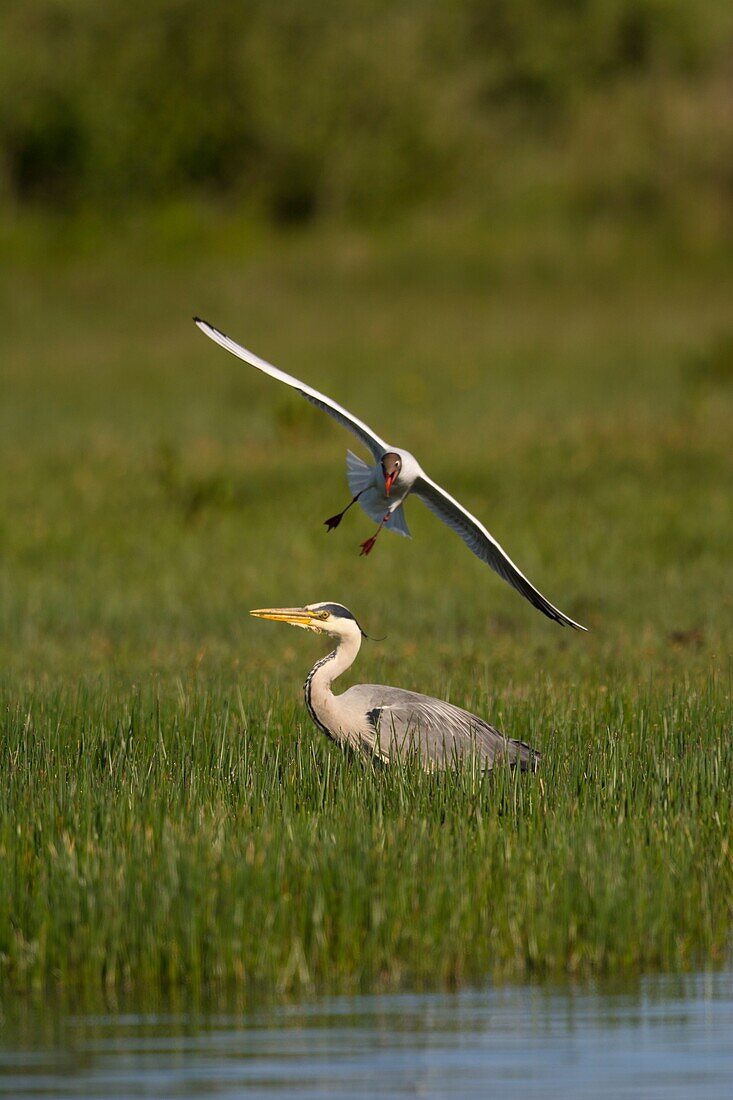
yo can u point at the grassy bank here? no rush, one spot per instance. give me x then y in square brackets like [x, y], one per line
[168, 815]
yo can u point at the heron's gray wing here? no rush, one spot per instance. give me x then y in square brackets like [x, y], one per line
[401, 722]
[361, 430]
[485, 546]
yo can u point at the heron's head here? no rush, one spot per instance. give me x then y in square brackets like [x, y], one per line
[321, 618]
[391, 466]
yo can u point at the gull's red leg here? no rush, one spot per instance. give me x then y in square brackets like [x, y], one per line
[367, 546]
[333, 521]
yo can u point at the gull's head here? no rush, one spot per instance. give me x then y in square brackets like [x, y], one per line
[321, 618]
[391, 466]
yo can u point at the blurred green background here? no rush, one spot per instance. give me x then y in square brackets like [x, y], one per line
[499, 232]
[297, 111]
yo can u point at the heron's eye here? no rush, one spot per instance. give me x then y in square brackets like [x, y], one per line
[321, 615]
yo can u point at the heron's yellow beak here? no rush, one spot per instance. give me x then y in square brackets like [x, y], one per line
[296, 616]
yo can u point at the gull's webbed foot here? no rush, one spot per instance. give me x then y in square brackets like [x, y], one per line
[366, 547]
[333, 521]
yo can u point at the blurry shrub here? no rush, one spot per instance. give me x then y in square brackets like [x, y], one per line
[304, 108]
[44, 149]
[711, 369]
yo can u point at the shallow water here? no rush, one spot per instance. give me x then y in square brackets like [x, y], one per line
[665, 1037]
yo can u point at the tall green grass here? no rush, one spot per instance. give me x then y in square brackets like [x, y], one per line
[209, 841]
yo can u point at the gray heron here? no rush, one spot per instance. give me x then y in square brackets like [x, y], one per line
[381, 489]
[390, 723]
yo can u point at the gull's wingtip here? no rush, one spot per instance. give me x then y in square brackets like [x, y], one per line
[577, 626]
[207, 328]
[564, 620]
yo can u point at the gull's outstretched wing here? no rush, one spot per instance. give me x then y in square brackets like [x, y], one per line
[484, 546]
[361, 430]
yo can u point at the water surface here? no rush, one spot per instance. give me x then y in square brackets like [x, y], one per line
[665, 1037]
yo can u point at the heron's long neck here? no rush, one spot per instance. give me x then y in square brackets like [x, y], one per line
[319, 698]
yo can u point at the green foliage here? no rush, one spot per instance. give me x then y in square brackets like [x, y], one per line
[301, 110]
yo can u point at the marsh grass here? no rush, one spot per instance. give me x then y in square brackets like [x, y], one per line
[214, 840]
[169, 819]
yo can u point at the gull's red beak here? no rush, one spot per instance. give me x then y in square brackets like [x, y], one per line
[389, 481]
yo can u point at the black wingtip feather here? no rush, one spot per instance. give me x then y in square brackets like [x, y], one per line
[537, 600]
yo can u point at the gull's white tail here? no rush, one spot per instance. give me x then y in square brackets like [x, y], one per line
[358, 474]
